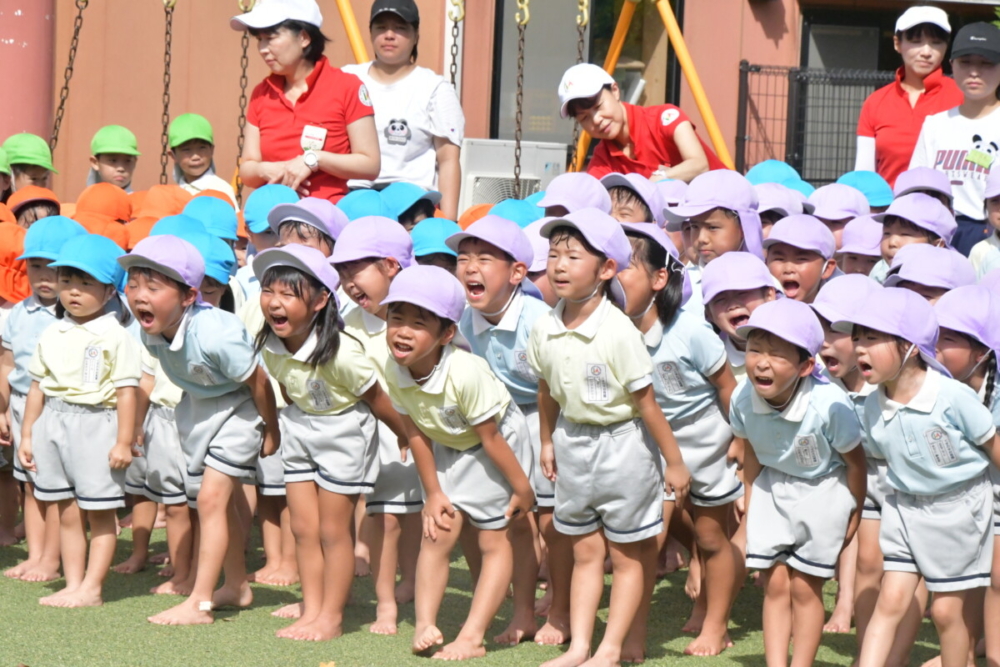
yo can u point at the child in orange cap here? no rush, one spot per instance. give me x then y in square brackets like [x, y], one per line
[105, 209]
[31, 203]
[192, 146]
[159, 202]
[114, 153]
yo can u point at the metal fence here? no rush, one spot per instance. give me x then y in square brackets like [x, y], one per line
[805, 117]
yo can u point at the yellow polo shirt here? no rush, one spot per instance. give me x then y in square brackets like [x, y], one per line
[252, 317]
[591, 370]
[84, 364]
[165, 392]
[370, 330]
[461, 393]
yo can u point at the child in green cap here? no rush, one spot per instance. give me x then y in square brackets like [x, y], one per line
[114, 153]
[192, 146]
[30, 160]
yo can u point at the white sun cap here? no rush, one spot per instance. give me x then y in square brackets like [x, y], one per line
[267, 13]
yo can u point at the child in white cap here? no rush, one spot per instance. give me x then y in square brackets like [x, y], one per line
[602, 431]
[493, 259]
[861, 245]
[370, 253]
[634, 198]
[938, 440]
[837, 204]
[929, 271]
[799, 255]
[572, 191]
[693, 385]
[330, 453]
[471, 446]
[84, 375]
[804, 470]
[912, 218]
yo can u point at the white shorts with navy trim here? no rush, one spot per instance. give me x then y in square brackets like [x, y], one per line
[545, 489]
[995, 481]
[17, 401]
[397, 488]
[607, 477]
[269, 477]
[799, 522]
[704, 441]
[878, 488]
[165, 470]
[947, 538]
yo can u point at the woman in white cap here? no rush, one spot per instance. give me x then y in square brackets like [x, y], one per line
[418, 117]
[309, 125]
[891, 117]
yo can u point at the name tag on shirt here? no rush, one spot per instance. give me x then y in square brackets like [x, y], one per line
[671, 378]
[453, 419]
[313, 138]
[597, 390]
[92, 365]
[806, 451]
[319, 395]
[200, 374]
[939, 444]
[523, 367]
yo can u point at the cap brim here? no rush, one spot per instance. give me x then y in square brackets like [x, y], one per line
[129, 261]
[616, 180]
[918, 188]
[263, 16]
[191, 137]
[580, 95]
[674, 218]
[37, 255]
[857, 250]
[424, 301]
[280, 257]
[285, 212]
[989, 54]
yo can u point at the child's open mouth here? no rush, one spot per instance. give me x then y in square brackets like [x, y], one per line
[145, 317]
[763, 382]
[278, 321]
[738, 321]
[865, 368]
[790, 287]
[400, 350]
[832, 363]
[475, 290]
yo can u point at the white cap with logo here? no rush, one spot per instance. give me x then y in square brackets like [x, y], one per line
[580, 82]
[914, 16]
[267, 13]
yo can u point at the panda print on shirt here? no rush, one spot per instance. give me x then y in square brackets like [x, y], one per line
[397, 132]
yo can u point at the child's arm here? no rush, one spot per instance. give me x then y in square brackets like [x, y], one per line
[381, 406]
[496, 447]
[751, 469]
[857, 482]
[676, 476]
[725, 384]
[146, 384]
[32, 411]
[120, 455]
[694, 160]
[438, 510]
[548, 413]
[263, 397]
[992, 447]
[6, 366]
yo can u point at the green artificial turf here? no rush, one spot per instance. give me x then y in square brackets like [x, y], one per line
[118, 634]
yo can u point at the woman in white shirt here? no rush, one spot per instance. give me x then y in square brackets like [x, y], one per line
[418, 115]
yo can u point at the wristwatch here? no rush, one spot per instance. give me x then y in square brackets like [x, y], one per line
[311, 159]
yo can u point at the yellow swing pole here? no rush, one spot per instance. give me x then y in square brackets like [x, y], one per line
[353, 32]
[610, 63]
[691, 74]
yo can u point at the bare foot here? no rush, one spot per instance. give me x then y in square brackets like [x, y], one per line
[186, 613]
[426, 638]
[41, 573]
[320, 630]
[161, 520]
[709, 643]
[404, 592]
[8, 539]
[293, 610]
[159, 559]
[555, 632]
[692, 585]
[227, 597]
[125, 521]
[78, 598]
[291, 631]
[263, 572]
[603, 661]
[519, 630]
[361, 567]
[840, 621]
[543, 604]
[278, 577]
[172, 588]
[166, 571]
[461, 649]
[571, 658]
[135, 563]
[385, 620]
[19, 569]
[634, 651]
[696, 620]
[673, 558]
[19, 531]
[50, 600]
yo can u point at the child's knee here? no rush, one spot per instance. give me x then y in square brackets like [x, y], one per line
[947, 610]
[710, 538]
[806, 588]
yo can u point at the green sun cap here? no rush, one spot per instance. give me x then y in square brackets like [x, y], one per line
[190, 126]
[114, 139]
[25, 148]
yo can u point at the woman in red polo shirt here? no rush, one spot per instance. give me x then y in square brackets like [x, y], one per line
[892, 116]
[310, 126]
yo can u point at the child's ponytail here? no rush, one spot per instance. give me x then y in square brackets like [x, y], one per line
[327, 323]
[990, 380]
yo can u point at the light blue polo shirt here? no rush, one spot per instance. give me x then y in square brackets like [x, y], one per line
[858, 402]
[933, 444]
[211, 355]
[248, 281]
[807, 438]
[24, 326]
[504, 346]
[684, 356]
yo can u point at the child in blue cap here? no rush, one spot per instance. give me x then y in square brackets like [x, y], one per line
[84, 375]
[429, 247]
[22, 329]
[408, 203]
[255, 210]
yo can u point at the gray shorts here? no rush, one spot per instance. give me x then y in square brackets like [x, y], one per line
[135, 474]
[397, 487]
[994, 480]
[947, 538]
[473, 484]
[165, 469]
[337, 452]
[610, 477]
[704, 440]
[16, 419]
[800, 522]
[223, 433]
[70, 444]
[269, 477]
[545, 490]
[878, 488]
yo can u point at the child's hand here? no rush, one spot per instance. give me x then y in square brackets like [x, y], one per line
[404, 447]
[120, 456]
[138, 440]
[437, 513]
[548, 461]
[678, 479]
[271, 443]
[5, 438]
[25, 455]
[735, 452]
[520, 504]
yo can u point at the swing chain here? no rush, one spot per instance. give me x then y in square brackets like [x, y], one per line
[457, 15]
[168, 9]
[68, 73]
[522, 17]
[245, 6]
[582, 19]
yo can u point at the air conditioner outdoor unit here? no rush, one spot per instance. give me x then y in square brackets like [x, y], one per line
[488, 169]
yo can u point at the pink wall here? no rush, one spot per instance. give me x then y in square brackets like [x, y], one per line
[27, 28]
[719, 34]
